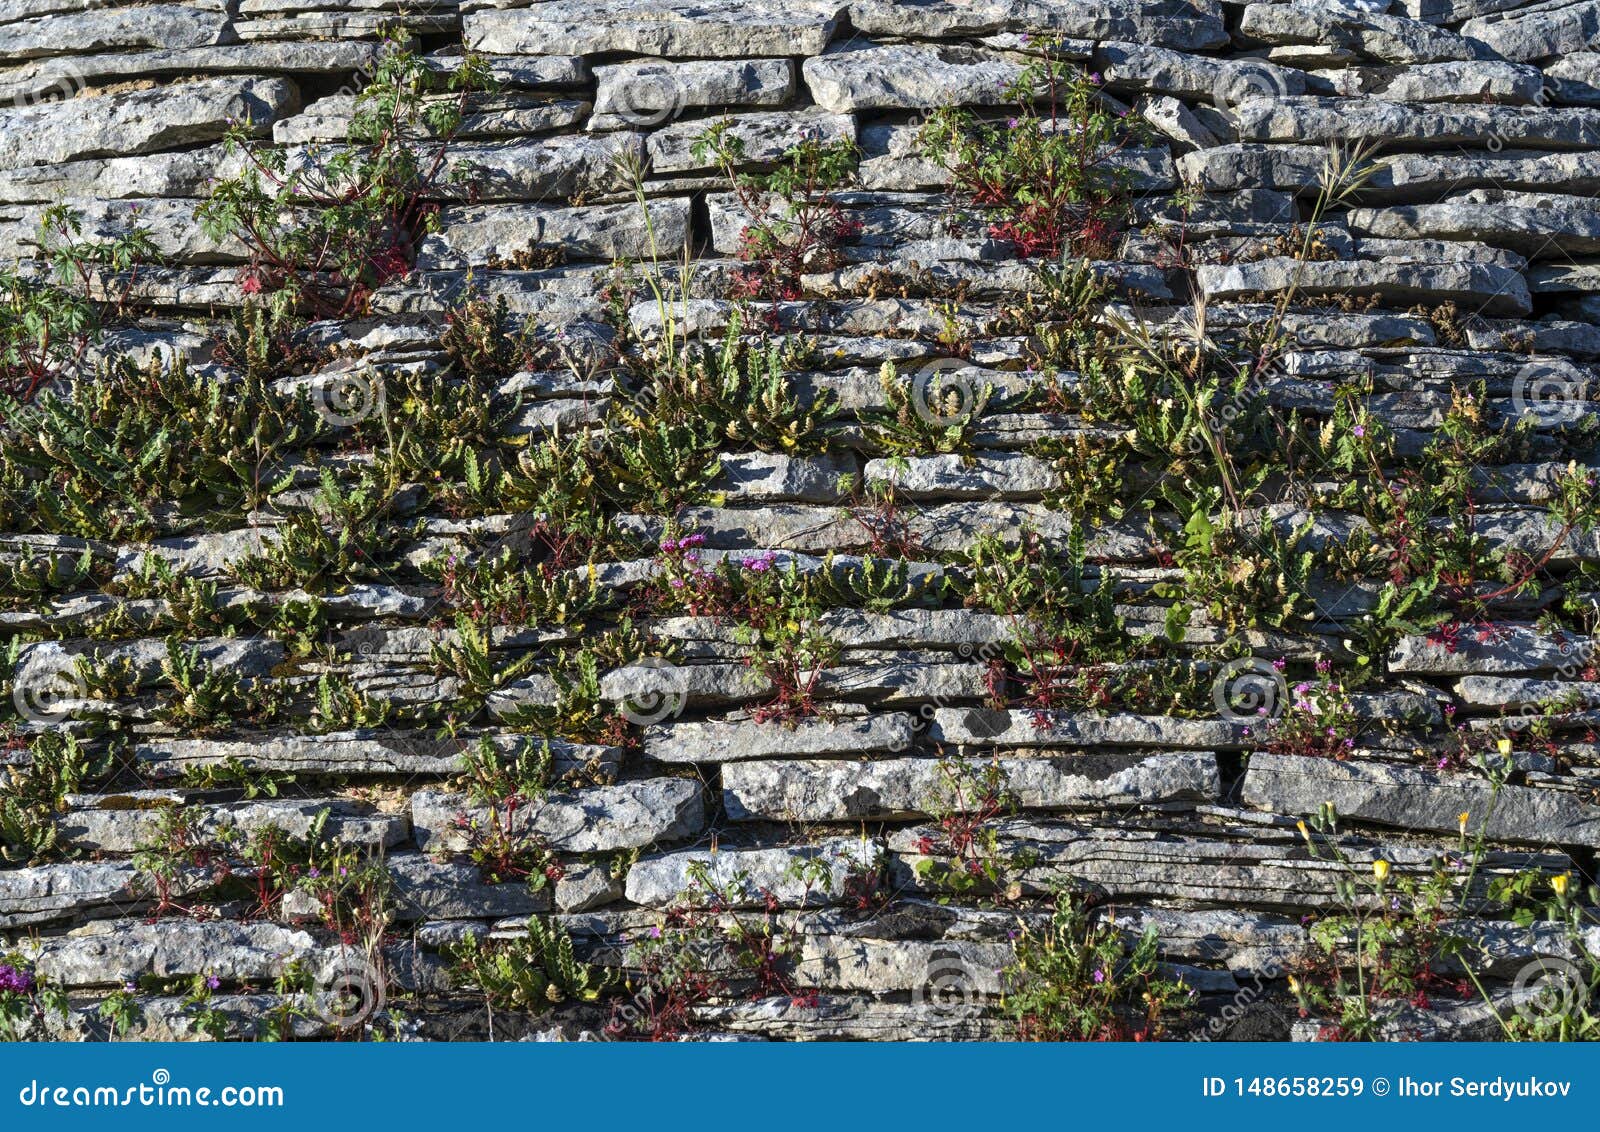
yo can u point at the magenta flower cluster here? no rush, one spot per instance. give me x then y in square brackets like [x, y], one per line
[15, 980]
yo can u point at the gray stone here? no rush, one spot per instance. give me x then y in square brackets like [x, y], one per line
[65, 76]
[1422, 125]
[1537, 226]
[998, 474]
[600, 819]
[428, 890]
[1171, 23]
[756, 476]
[1538, 31]
[1409, 797]
[111, 954]
[722, 742]
[765, 137]
[1478, 81]
[721, 29]
[107, 29]
[982, 727]
[649, 92]
[796, 876]
[906, 77]
[1484, 286]
[1393, 39]
[1488, 649]
[46, 893]
[848, 790]
[169, 117]
[476, 237]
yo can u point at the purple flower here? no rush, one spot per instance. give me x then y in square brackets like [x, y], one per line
[1099, 975]
[1094, 77]
[212, 982]
[655, 933]
[1011, 123]
[1360, 430]
[15, 980]
[676, 583]
[314, 873]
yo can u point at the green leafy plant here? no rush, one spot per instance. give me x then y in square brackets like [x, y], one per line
[1078, 978]
[1046, 178]
[794, 223]
[51, 315]
[326, 228]
[530, 973]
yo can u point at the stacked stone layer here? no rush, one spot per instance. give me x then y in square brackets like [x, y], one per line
[1481, 196]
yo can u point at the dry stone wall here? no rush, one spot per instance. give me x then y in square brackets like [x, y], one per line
[886, 847]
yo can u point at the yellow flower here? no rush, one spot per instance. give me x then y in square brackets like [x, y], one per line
[1301, 826]
[1504, 746]
[1461, 820]
[1380, 869]
[1294, 985]
[1560, 882]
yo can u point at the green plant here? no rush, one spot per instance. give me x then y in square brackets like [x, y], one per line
[739, 392]
[206, 698]
[794, 223]
[350, 534]
[531, 973]
[467, 654]
[935, 411]
[1078, 979]
[26, 998]
[135, 451]
[325, 229]
[1046, 179]
[493, 777]
[965, 855]
[121, 1011]
[484, 340]
[31, 794]
[50, 316]
[503, 590]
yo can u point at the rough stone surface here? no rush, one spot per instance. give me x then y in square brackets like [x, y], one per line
[754, 553]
